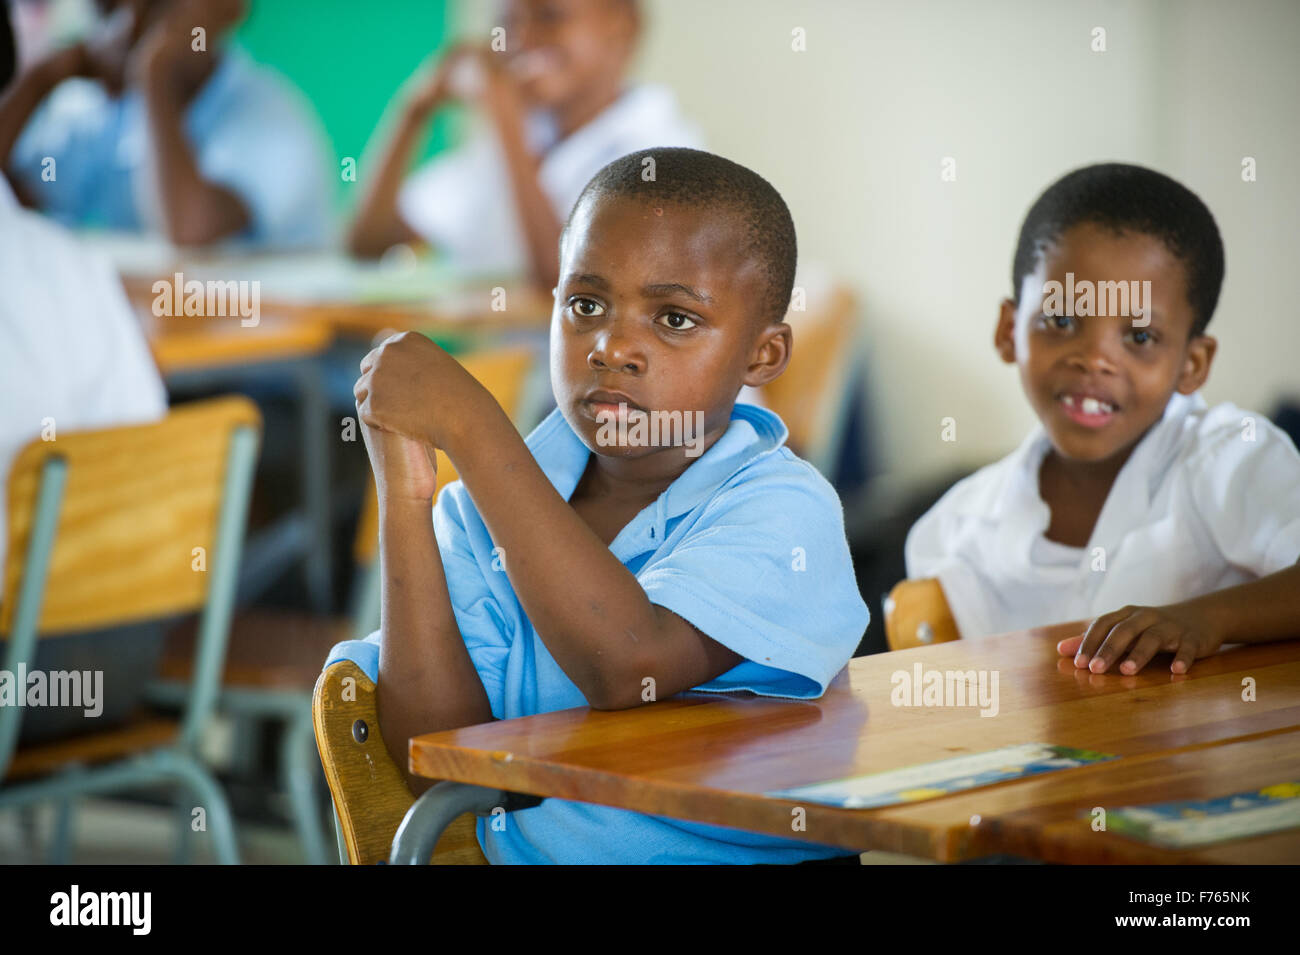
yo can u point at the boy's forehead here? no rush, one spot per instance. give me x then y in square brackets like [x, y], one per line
[1093, 253]
[634, 235]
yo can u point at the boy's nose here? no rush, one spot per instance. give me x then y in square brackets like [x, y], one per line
[615, 352]
[1096, 350]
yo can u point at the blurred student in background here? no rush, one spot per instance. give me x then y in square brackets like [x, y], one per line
[552, 87]
[73, 358]
[156, 122]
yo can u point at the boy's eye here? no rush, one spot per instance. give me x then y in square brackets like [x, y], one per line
[1141, 336]
[587, 307]
[1058, 321]
[677, 321]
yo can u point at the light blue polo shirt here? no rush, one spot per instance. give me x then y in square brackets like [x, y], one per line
[747, 544]
[250, 131]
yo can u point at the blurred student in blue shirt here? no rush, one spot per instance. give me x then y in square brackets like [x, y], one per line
[157, 123]
[568, 569]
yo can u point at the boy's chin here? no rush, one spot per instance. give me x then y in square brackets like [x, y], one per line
[1088, 449]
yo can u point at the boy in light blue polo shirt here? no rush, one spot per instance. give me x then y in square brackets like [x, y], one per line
[650, 527]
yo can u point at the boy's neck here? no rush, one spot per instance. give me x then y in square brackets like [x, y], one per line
[630, 479]
[1075, 492]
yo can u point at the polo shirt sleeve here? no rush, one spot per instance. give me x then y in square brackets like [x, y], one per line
[484, 628]
[766, 572]
[1246, 488]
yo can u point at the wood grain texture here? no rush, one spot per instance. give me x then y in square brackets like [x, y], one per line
[138, 501]
[917, 614]
[711, 759]
[137, 736]
[804, 393]
[370, 794]
[504, 373]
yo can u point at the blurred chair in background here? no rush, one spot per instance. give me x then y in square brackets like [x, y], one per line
[114, 527]
[814, 394]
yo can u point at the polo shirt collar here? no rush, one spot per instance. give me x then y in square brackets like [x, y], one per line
[753, 432]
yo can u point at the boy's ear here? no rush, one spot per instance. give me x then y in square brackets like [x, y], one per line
[771, 355]
[1196, 366]
[1004, 336]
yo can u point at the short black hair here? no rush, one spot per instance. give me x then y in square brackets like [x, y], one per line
[1129, 199]
[697, 178]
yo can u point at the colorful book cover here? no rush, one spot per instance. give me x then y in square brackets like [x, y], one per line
[1183, 825]
[930, 780]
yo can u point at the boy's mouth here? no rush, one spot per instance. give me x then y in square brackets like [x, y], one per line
[1091, 411]
[601, 402]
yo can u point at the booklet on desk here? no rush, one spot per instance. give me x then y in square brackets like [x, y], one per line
[929, 780]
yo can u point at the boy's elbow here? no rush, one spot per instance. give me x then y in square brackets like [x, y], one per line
[605, 691]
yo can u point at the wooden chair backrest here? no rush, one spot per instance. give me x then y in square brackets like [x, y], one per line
[917, 615]
[504, 373]
[807, 392]
[370, 795]
[138, 503]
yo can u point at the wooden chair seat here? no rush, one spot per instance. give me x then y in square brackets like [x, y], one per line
[267, 649]
[142, 733]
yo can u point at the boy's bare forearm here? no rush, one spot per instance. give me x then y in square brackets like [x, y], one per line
[377, 225]
[541, 226]
[195, 211]
[1260, 611]
[427, 681]
[589, 610]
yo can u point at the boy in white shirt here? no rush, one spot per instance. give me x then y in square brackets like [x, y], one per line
[1176, 527]
[553, 91]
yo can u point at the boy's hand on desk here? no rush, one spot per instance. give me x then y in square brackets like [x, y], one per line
[1142, 632]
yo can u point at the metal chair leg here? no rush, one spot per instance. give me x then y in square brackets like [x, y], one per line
[61, 844]
[434, 811]
[220, 823]
[299, 767]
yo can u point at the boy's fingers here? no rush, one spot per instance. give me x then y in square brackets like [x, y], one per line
[1119, 639]
[1146, 647]
[1069, 646]
[1096, 634]
[1184, 658]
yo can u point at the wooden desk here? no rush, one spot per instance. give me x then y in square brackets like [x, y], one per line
[181, 345]
[466, 308]
[711, 759]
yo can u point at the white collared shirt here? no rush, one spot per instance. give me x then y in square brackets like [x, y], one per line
[1208, 499]
[463, 204]
[73, 356]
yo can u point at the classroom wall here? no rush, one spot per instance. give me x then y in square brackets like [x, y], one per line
[853, 131]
